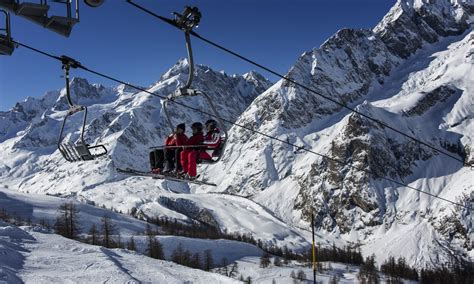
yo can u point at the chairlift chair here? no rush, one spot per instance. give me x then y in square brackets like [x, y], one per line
[37, 12]
[187, 21]
[6, 44]
[79, 151]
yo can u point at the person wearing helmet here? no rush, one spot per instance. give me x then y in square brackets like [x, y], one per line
[166, 159]
[212, 141]
[189, 154]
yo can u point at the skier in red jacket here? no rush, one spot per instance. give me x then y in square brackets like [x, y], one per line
[212, 141]
[189, 154]
[167, 159]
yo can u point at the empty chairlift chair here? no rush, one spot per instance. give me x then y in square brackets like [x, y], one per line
[37, 12]
[6, 44]
[79, 151]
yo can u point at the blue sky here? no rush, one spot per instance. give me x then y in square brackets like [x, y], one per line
[122, 41]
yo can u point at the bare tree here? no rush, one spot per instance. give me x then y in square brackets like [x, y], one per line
[223, 265]
[131, 244]
[155, 248]
[108, 230]
[93, 235]
[234, 270]
[196, 261]
[67, 221]
[208, 260]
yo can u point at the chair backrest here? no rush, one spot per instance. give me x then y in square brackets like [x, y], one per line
[81, 152]
[84, 152]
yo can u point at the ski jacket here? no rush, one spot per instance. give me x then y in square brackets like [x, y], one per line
[181, 139]
[169, 141]
[213, 141]
[196, 139]
[176, 140]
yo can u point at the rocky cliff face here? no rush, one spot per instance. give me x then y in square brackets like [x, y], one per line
[410, 72]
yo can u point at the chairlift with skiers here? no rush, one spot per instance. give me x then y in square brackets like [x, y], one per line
[187, 21]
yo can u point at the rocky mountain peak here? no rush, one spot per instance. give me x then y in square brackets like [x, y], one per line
[410, 24]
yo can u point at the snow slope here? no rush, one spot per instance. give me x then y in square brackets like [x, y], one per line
[414, 71]
[41, 208]
[30, 255]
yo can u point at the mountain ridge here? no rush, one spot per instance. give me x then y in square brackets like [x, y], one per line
[411, 71]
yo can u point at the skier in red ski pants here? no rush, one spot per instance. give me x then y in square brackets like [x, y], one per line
[189, 155]
[212, 141]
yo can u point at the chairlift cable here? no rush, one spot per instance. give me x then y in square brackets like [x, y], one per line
[309, 89]
[252, 130]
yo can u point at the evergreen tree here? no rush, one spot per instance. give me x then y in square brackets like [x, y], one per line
[301, 275]
[277, 261]
[368, 271]
[265, 260]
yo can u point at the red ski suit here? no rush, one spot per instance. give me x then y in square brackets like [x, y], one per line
[189, 156]
[176, 140]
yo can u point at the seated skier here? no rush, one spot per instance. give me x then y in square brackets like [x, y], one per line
[212, 140]
[191, 156]
[165, 160]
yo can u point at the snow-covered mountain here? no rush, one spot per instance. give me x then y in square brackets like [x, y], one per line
[413, 71]
[128, 123]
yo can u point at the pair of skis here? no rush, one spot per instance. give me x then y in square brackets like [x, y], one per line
[170, 177]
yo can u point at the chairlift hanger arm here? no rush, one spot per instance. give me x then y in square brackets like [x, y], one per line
[71, 62]
[186, 21]
[68, 63]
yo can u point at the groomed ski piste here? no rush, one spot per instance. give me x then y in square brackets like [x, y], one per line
[264, 188]
[34, 254]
